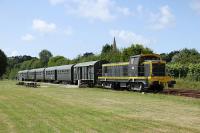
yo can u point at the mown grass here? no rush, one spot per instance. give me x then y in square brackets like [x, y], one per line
[187, 84]
[90, 110]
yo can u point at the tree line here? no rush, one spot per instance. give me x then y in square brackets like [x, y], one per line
[183, 63]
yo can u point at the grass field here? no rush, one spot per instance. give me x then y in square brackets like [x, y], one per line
[187, 84]
[58, 109]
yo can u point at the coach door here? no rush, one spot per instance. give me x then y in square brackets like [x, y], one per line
[90, 73]
[79, 76]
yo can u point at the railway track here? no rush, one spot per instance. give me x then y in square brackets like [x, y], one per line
[182, 92]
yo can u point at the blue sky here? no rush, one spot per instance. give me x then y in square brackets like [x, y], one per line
[72, 27]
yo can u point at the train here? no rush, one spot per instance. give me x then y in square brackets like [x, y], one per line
[142, 72]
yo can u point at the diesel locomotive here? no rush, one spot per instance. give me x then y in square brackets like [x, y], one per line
[142, 73]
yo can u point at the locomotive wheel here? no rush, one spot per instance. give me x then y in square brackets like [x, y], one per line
[137, 87]
[157, 88]
[160, 88]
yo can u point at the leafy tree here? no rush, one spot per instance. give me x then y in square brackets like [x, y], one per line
[135, 49]
[58, 60]
[3, 63]
[168, 57]
[88, 54]
[45, 55]
[187, 56]
[113, 56]
[106, 49]
[30, 64]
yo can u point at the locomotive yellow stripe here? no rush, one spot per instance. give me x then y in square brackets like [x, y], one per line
[149, 62]
[163, 79]
[126, 78]
[116, 64]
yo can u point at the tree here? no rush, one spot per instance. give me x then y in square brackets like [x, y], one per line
[135, 49]
[168, 57]
[58, 60]
[45, 55]
[106, 49]
[3, 63]
[112, 56]
[187, 56]
[88, 54]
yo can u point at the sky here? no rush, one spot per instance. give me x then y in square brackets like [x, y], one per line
[72, 27]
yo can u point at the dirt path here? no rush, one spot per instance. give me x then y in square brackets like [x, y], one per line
[182, 92]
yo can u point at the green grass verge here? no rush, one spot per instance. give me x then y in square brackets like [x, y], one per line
[187, 84]
[90, 110]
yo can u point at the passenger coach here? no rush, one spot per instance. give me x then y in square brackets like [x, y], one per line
[88, 72]
[50, 74]
[65, 73]
[40, 74]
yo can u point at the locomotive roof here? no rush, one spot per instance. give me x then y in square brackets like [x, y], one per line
[64, 67]
[90, 63]
[146, 55]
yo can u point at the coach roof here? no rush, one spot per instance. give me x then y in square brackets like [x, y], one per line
[50, 68]
[91, 63]
[64, 67]
[39, 69]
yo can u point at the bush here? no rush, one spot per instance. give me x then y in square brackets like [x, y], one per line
[189, 71]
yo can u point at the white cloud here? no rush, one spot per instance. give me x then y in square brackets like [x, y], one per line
[129, 37]
[91, 9]
[43, 26]
[195, 5]
[163, 19]
[125, 11]
[103, 10]
[14, 53]
[55, 2]
[27, 37]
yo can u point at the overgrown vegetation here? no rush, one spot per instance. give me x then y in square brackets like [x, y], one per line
[186, 84]
[185, 64]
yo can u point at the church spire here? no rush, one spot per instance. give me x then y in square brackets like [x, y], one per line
[114, 45]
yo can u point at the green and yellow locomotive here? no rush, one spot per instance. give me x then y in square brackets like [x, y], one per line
[141, 73]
